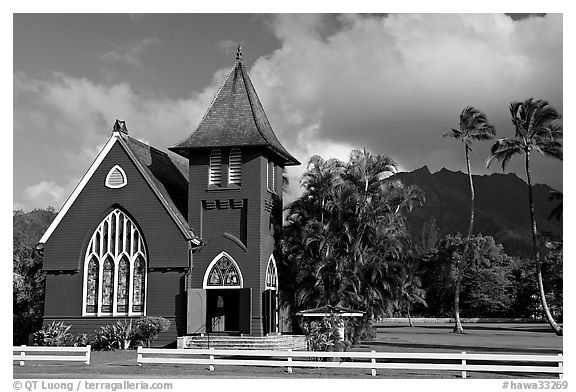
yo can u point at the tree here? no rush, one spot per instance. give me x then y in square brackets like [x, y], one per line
[28, 278]
[411, 291]
[344, 237]
[487, 284]
[473, 126]
[535, 130]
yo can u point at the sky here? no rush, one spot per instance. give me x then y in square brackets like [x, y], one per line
[329, 83]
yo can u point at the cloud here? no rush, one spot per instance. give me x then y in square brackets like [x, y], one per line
[395, 83]
[67, 120]
[227, 45]
[130, 52]
[48, 193]
[392, 84]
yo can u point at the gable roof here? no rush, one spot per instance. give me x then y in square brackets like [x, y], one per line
[166, 175]
[235, 118]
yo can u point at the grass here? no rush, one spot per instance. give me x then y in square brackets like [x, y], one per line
[486, 338]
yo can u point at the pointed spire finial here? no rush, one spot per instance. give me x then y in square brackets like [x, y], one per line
[239, 54]
[120, 126]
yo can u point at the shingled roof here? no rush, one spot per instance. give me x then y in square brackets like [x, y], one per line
[235, 118]
[167, 174]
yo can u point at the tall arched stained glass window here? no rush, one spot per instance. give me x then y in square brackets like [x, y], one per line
[123, 285]
[92, 285]
[107, 285]
[115, 269]
[139, 285]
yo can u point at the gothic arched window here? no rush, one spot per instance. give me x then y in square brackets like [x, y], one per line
[223, 272]
[115, 269]
[271, 281]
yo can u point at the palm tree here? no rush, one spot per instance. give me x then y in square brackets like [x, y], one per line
[346, 233]
[473, 126]
[535, 130]
[319, 181]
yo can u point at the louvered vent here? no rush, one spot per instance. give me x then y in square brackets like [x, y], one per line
[116, 178]
[235, 167]
[215, 167]
[270, 175]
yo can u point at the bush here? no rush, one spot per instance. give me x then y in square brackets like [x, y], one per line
[122, 336]
[361, 329]
[324, 334]
[53, 334]
[150, 327]
[81, 340]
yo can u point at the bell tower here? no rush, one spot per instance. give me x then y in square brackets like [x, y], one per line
[236, 164]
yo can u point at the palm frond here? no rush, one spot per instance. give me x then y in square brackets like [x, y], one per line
[504, 150]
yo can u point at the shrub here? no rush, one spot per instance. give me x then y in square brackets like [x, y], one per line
[122, 336]
[53, 334]
[81, 340]
[361, 329]
[150, 327]
[324, 334]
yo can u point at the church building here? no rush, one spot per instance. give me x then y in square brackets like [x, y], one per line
[188, 237]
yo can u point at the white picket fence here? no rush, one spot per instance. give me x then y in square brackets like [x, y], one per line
[41, 353]
[509, 363]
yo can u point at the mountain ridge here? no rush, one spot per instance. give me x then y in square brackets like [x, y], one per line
[501, 205]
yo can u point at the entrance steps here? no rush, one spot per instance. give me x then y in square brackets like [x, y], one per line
[269, 342]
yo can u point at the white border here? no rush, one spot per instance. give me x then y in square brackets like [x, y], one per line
[212, 263]
[116, 167]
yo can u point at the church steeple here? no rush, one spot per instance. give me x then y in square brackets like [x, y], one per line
[239, 54]
[235, 118]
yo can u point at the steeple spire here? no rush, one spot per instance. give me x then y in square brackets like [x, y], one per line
[239, 54]
[235, 118]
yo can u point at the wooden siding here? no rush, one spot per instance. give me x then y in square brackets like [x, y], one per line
[166, 246]
[91, 325]
[212, 224]
[165, 297]
[63, 295]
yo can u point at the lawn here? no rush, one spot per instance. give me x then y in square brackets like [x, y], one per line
[489, 338]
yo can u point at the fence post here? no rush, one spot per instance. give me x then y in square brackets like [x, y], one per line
[373, 361]
[464, 364]
[88, 348]
[211, 360]
[23, 354]
[560, 366]
[139, 357]
[289, 361]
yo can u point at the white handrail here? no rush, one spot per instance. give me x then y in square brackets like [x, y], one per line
[522, 363]
[50, 354]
